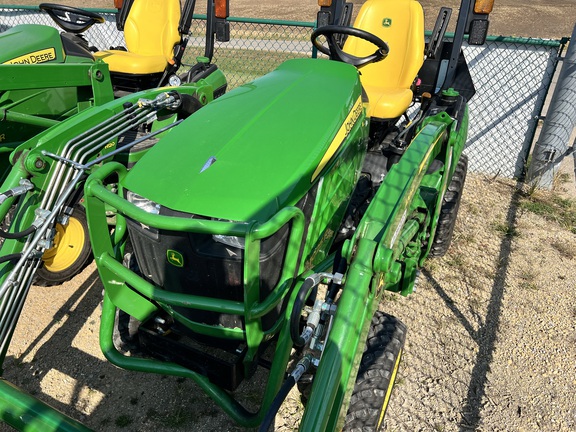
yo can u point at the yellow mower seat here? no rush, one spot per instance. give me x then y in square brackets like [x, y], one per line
[400, 23]
[150, 31]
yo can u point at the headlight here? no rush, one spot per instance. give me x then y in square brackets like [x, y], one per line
[143, 203]
[236, 242]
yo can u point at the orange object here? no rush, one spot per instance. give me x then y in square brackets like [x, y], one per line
[483, 6]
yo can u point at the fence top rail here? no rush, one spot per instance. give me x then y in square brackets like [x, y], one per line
[36, 8]
[504, 39]
[517, 40]
[196, 16]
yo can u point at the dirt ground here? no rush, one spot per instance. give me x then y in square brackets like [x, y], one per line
[534, 18]
[491, 342]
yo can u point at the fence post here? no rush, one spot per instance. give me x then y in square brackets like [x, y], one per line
[552, 146]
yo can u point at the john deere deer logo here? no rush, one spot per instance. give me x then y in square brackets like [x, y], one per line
[387, 22]
[175, 258]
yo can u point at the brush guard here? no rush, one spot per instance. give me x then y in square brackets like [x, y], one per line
[140, 298]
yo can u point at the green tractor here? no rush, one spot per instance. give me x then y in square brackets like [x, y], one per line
[263, 230]
[70, 77]
[48, 77]
[299, 199]
[44, 230]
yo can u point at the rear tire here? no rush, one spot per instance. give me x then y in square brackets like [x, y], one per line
[70, 254]
[449, 210]
[376, 374]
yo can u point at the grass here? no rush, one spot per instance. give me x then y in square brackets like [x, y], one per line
[455, 260]
[527, 279]
[241, 66]
[560, 179]
[566, 250]
[553, 208]
[509, 230]
[123, 421]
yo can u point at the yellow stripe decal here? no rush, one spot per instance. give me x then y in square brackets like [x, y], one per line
[35, 57]
[341, 135]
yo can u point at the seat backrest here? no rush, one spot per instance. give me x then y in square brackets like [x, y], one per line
[400, 23]
[151, 27]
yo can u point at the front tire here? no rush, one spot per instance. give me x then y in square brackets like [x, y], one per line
[376, 374]
[70, 254]
[449, 210]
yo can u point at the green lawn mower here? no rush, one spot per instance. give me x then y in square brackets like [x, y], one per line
[47, 77]
[263, 230]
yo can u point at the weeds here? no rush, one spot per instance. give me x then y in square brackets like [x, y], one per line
[560, 179]
[509, 230]
[529, 286]
[527, 279]
[455, 260]
[123, 421]
[552, 208]
[566, 250]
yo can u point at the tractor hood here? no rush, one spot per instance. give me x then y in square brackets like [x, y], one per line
[256, 149]
[31, 44]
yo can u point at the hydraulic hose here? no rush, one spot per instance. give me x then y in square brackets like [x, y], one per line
[303, 293]
[18, 235]
[25, 186]
[292, 379]
[10, 257]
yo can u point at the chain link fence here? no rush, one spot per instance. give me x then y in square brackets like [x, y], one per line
[512, 76]
[256, 47]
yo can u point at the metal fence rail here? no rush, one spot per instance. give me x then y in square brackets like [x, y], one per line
[512, 76]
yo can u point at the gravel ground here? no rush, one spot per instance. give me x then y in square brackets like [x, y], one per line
[491, 342]
[490, 345]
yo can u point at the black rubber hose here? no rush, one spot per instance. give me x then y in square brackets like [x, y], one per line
[277, 403]
[10, 257]
[303, 294]
[18, 235]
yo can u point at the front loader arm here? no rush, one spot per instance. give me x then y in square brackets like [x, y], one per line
[379, 257]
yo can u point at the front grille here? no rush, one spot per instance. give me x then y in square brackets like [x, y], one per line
[192, 263]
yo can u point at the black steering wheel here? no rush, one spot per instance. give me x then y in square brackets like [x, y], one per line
[334, 51]
[71, 19]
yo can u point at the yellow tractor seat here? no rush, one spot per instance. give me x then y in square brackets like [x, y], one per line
[150, 32]
[388, 83]
[130, 63]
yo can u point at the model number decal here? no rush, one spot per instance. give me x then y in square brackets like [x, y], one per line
[341, 135]
[35, 57]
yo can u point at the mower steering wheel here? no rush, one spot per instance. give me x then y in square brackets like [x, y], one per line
[71, 19]
[336, 53]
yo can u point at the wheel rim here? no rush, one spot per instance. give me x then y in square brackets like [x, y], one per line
[68, 244]
[389, 390]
